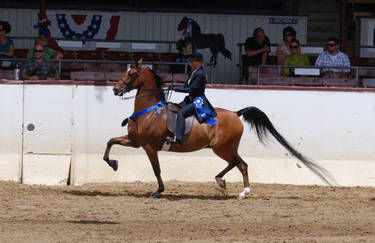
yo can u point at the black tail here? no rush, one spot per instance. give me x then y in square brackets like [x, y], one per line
[260, 121]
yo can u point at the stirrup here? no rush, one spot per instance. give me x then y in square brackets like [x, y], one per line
[175, 140]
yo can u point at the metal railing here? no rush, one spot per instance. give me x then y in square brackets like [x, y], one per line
[353, 74]
[169, 43]
[20, 61]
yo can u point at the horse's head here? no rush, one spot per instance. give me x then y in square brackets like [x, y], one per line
[132, 79]
[182, 24]
[139, 76]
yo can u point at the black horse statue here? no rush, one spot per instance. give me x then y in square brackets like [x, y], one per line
[200, 41]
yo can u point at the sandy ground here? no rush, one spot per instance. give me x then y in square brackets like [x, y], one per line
[188, 212]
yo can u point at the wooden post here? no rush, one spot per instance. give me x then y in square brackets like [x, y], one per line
[343, 25]
[42, 9]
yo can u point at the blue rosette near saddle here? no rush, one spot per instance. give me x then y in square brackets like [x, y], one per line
[205, 114]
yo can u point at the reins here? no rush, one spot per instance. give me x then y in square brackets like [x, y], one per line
[158, 91]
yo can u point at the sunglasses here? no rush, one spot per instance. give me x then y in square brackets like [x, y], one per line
[329, 44]
[35, 50]
[294, 47]
[288, 35]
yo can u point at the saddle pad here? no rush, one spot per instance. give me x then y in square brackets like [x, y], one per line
[172, 110]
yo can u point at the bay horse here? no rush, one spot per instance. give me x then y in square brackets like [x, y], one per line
[215, 42]
[149, 130]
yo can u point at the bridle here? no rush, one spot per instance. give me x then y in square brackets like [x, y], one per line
[127, 87]
[133, 77]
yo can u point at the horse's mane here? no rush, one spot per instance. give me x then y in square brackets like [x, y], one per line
[159, 83]
[197, 28]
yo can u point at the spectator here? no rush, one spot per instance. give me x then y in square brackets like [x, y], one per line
[6, 44]
[39, 67]
[283, 49]
[257, 49]
[185, 48]
[295, 59]
[48, 52]
[333, 57]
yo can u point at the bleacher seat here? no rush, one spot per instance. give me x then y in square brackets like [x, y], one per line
[69, 55]
[368, 82]
[6, 74]
[275, 80]
[89, 55]
[114, 76]
[146, 56]
[20, 53]
[167, 56]
[119, 67]
[90, 76]
[264, 72]
[117, 55]
[179, 77]
[307, 81]
[341, 82]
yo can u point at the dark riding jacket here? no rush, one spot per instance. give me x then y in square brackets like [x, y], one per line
[195, 86]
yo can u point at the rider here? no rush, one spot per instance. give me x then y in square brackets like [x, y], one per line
[195, 86]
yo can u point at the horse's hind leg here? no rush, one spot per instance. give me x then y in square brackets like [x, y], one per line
[242, 166]
[219, 178]
[232, 162]
[153, 157]
[125, 141]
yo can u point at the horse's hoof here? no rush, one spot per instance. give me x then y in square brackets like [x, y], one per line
[243, 194]
[221, 183]
[114, 164]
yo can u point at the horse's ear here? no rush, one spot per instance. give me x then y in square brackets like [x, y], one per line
[140, 61]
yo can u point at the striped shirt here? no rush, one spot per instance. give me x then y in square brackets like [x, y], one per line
[326, 59]
[43, 69]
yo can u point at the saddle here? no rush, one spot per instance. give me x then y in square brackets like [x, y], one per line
[172, 110]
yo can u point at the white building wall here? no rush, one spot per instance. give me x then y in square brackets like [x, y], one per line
[333, 128]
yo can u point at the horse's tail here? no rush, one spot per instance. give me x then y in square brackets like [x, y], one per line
[222, 48]
[258, 119]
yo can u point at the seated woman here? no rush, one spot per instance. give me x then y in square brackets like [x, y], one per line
[6, 44]
[283, 49]
[49, 53]
[185, 49]
[295, 59]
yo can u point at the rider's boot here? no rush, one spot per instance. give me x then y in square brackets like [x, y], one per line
[177, 140]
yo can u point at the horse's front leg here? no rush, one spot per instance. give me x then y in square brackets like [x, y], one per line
[124, 141]
[153, 157]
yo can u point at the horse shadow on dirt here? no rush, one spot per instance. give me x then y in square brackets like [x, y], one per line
[93, 222]
[170, 197]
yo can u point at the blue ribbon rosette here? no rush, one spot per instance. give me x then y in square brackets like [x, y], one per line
[205, 114]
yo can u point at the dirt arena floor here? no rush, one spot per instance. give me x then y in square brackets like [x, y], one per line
[188, 212]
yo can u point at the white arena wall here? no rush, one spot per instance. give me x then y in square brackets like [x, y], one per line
[72, 124]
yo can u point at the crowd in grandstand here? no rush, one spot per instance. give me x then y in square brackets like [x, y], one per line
[38, 64]
[258, 46]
